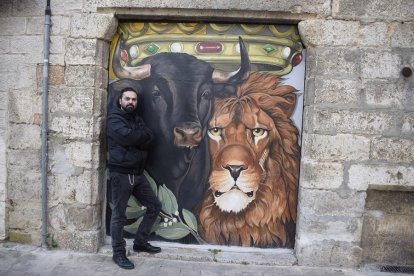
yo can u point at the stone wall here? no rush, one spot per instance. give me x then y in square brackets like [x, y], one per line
[358, 117]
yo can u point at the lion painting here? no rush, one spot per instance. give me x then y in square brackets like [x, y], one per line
[255, 156]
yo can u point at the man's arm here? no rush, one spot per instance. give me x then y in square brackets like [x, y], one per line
[124, 135]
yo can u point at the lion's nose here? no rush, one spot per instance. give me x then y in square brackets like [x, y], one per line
[235, 170]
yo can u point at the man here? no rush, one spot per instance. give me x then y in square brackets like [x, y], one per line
[128, 142]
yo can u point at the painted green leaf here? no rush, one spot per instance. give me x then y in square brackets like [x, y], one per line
[173, 232]
[172, 198]
[166, 200]
[133, 202]
[190, 219]
[134, 212]
[132, 228]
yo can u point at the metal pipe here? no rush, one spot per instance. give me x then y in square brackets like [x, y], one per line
[44, 131]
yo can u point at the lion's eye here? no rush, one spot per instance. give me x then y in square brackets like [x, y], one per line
[215, 131]
[259, 132]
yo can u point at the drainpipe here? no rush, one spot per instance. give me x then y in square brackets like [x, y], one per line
[45, 110]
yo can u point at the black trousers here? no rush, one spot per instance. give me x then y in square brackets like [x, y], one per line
[123, 185]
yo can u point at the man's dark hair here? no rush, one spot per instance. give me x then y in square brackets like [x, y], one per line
[128, 89]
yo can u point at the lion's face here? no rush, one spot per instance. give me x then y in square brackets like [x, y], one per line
[239, 147]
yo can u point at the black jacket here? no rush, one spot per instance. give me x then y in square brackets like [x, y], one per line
[128, 141]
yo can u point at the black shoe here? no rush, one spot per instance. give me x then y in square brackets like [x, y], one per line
[122, 261]
[146, 247]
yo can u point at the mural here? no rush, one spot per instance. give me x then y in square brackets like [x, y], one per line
[225, 163]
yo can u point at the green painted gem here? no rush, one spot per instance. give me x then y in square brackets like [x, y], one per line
[268, 48]
[153, 48]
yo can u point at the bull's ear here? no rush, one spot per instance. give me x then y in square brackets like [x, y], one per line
[223, 90]
[115, 87]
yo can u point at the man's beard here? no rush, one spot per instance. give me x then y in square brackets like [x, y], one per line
[129, 108]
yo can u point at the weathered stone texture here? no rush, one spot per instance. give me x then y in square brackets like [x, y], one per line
[3, 220]
[75, 101]
[320, 32]
[25, 215]
[341, 92]
[28, 8]
[81, 51]
[80, 76]
[328, 253]
[328, 203]
[373, 34]
[61, 25]
[4, 45]
[74, 217]
[23, 136]
[340, 147]
[338, 62]
[32, 45]
[101, 26]
[373, 9]
[71, 127]
[353, 121]
[321, 175]
[56, 75]
[87, 241]
[403, 36]
[392, 150]
[408, 124]
[24, 184]
[35, 25]
[316, 228]
[380, 64]
[385, 93]
[361, 176]
[15, 25]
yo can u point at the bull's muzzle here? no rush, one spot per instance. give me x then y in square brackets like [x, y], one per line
[187, 137]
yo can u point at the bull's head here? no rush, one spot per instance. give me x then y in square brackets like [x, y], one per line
[178, 90]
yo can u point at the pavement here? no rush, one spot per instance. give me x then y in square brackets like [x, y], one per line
[18, 259]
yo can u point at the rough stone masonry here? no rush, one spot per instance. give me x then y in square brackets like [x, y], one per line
[358, 118]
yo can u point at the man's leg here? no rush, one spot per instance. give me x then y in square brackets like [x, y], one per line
[121, 191]
[144, 194]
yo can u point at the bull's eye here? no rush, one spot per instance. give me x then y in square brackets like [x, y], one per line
[156, 93]
[259, 132]
[215, 131]
[206, 95]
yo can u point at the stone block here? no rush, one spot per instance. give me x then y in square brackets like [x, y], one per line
[5, 8]
[31, 45]
[373, 34]
[80, 75]
[60, 164]
[57, 59]
[24, 136]
[64, 7]
[328, 253]
[26, 78]
[373, 9]
[4, 45]
[20, 237]
[329, 203]
[392, 150]
[385, 93]
[84, 218]
[318, 229]
[24, 184]
[319, 175]
[23, 104]
[380, 64]
[403, 36]
[320, 32]
[86, 241]
[15, 26]
[71, 127]
[25, 215]
[35, 25]
[356, 122]
[339, 92]
[344, 62]
[390, 202]
[23, 159]
[361, 176]
[81, 51]
[61, 25]
[79, 154]
[56, 75]
[29, 8]
[340, 147]
[57, 44]
[408, 124]
[7, 81]
[76, 101]
[101, 26]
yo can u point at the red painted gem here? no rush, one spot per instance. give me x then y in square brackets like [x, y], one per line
[209, 47]
[297, 58]
[124, 55]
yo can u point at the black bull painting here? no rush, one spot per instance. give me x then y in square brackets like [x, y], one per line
[176, 94]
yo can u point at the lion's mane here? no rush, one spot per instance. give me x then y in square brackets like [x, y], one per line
[270, 220]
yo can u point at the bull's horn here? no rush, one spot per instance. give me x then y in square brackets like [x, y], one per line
[240, 74]
[136, 73]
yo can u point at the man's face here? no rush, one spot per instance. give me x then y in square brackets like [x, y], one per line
[128, 101]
